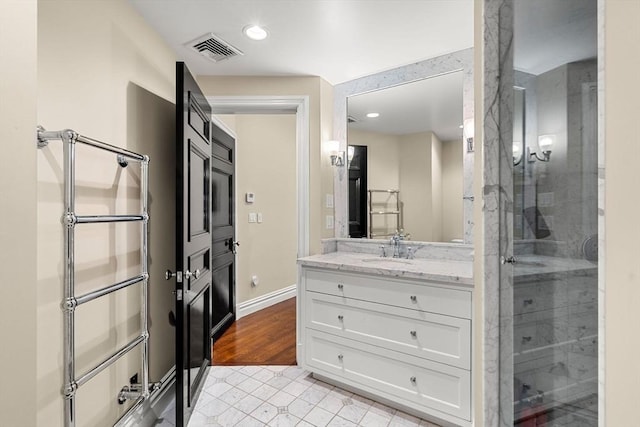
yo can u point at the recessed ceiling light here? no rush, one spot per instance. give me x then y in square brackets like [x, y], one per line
[255, 32]
[373, 115]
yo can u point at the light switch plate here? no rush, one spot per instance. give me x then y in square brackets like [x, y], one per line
[253, 217]
[259, 217]
[329, 200]
[329, 222]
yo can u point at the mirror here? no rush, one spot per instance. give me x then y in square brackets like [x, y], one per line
[405, 160]
[421, 207]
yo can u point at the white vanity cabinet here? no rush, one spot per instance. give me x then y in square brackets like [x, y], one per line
[405, 341]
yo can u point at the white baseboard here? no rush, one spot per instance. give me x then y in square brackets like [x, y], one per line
[265, 301]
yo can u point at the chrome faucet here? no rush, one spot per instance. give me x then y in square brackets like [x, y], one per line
[395, 242]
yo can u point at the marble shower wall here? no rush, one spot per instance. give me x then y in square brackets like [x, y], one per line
[460, 60]
[497, 211]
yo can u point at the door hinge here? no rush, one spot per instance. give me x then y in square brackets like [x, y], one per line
[179, 295]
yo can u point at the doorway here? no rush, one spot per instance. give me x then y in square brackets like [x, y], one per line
[272, 173]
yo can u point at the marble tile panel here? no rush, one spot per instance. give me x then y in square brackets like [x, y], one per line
[230, 418]
[353, 412]
[318, 417]
[295, 388]
[372, 419]
[340, 422]
[284, 420]
[265, 412]
[300, 408]
[248, 404]
[250, 422]
[264, 392]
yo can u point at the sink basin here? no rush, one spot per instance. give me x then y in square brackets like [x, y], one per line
[387, 260]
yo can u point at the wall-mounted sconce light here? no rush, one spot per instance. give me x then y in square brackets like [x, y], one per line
[517, 152]
[469, 132]
[337, 156]
[545, 142]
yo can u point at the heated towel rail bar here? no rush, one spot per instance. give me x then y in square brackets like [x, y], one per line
[72, 382]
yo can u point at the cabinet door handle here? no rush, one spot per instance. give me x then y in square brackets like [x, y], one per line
[526, 339]
[340, 286]
[340, 317]
[340, 357]
[413, 380]
[414, 334]
[414, 298]
[528, 301]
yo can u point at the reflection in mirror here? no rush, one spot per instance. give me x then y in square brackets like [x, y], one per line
[518, 163]
[406, 160]
[428, 70]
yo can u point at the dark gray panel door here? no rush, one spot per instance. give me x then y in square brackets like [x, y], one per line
[193, 237]
[223, 232]
[358, 211]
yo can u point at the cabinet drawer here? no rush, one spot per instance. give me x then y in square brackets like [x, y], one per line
[426, 384]
[439, 338]
[405, 294]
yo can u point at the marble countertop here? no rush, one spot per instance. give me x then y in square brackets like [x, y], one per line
[444, 271]
[533, 267]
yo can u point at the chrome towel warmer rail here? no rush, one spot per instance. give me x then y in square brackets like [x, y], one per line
[141, 391]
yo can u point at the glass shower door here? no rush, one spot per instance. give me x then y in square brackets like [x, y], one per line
[554, 305]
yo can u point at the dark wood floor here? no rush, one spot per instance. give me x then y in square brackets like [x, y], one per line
[266, 337]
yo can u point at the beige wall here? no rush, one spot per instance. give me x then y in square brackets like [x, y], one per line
[326, 170]
[108, 75]
[416, 186]
[383, 173]
[621, 266]
[452, 218]
[18, 327]
[383, 158]
[320, 181]
[265, 156]
[436, 188]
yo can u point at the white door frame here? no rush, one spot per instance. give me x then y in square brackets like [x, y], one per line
[280, 105]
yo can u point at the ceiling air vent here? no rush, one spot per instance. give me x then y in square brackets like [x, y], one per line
[351, 119]
[213, 48]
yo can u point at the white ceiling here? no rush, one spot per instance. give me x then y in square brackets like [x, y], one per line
[431, 104]
[550, 33]
[338, 40]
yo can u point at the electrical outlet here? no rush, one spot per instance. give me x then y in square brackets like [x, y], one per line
[134, 379]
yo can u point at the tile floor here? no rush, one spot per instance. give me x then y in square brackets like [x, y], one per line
[282, 396]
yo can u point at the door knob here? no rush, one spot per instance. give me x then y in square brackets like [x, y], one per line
[169, 274]
[195, 274]
[233, 244]
[507, 260]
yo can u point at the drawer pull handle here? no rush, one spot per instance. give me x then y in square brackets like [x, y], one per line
[340, 286]
[413, 380]
[526, 339]
[340, 317]
[414, 334]
[414, 298]
[340, 357]
[528, 301]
